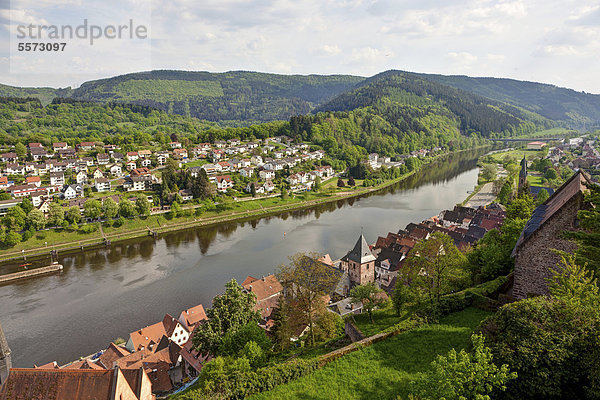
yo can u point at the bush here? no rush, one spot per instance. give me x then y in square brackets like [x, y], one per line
[88, 228]
[119, 222]
[219, 379]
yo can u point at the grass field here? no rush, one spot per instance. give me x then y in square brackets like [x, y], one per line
[385, 369]
[534, 180]
[517, 154]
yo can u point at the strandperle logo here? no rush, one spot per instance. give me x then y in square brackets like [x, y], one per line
[83, 31]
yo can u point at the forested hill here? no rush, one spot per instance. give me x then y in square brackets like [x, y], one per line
[473, 113]
[229, 96]
[571, 108]
[45, 94]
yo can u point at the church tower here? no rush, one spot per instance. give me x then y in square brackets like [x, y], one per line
[5, 362]
[523, 175]
[359, 263]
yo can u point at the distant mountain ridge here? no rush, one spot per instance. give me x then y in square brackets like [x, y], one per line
[243, 97]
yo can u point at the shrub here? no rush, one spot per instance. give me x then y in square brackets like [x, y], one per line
[88, 228]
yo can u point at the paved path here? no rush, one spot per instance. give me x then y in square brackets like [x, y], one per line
[484, 197]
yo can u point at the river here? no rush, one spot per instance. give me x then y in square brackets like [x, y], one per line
[106, 293]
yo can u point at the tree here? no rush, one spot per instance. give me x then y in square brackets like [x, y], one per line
[351, 181]
[551, 174]
[401, 296]
[12, 238]
[541, 197]
[21, 150]
[26, 205]
[110, 209]
[230, 312]
[588, 239]
[176, 209]
[14, 220]
[340, 183]
[489, 172]
[317, 185]
[234, 341]
[369, 295]
[436, 266]
[521, 207]
[573, 283]
[73, 215]
[56, 214]
[142, 206]
[126, 209]
[253, 189]
[36, 219]
[463, 376]
[306, 282]
[92, 209]
[505, 192]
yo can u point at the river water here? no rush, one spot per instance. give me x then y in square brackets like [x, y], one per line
[106, 293]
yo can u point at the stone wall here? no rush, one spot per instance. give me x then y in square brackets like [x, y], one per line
[534, 258]
[353, 332]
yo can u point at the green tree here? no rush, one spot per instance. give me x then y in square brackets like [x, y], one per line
[36, 219]
[340, 183]
[14, 220]
[92, 209]
[521, 207]
[56, 214]
[306, 282]
[351, 181]
[541, 197]
[588, 238]
[505, 192]
[230, 312]
[12, 238]
[401, 296]
[110, 209]
[463, 376]
[254, 354]
[317, 185]
[73, 215]
[176, 210]
[489, 172]
[21, 150]
[126, 209]
[235, 340]
[142, 206]
[550, 174]
[436, 267]
[253, 189]
[369, 295]
[26, 205]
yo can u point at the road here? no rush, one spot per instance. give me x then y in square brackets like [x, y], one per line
[484, 197]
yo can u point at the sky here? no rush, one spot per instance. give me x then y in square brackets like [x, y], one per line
[548, 41]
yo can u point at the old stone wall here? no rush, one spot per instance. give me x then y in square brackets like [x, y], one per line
[535, 258]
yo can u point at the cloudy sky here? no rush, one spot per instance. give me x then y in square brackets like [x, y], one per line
[548, 41]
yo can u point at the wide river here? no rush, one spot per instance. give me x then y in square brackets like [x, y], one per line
[107, 293]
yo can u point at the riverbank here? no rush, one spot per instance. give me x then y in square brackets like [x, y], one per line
[69, 241]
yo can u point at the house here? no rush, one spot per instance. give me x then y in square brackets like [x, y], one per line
[9, 157]
[35, 146]
[31, 168]
[150, 336]
[191, 360]
[38, 154]
[111, 354]
[87, 146]
[359, 263]
[535, 145]
[186, 194]
[57, 178]
[66, 153]
[116, 170]
[217, 154]
[146, 162]
[38, 197]
[247, 172]
[267, 174]
[258, 188]
[192, 317]
[140, 172]
[14, 169]
[59, 146]
[22, 190]
[161, 158]
[131, 165]
[77, 384]
[224, 182]
[118, 157]
[224, 166]
[175, 145]
[269, 186]
[138, 183]
[534, 252]
[144, 153]
[267, 290]
[82, 177]
[98, 174]
[6, 205]
[102, 159]
[4, 184]
[103, 185]
[72, 191]
[256, 160]
[180, 153]
[33, 180]
[132, 156]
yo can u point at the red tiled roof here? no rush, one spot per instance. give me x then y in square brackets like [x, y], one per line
[192, 316]
[111, 354]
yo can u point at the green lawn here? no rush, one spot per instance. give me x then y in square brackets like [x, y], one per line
[516, 154]
[385, 369]
[383, 319]
[534, 180]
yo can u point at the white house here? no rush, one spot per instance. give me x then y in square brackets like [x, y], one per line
[247, 172]
[116, 170]
[72, 191]
[98, 174]
[57, 178]
[267, 174]
[103, 185]
[224, 182]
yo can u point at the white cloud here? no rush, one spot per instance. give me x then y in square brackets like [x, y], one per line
[329, 50]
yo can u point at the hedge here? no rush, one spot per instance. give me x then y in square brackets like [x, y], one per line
[243, 384]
